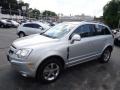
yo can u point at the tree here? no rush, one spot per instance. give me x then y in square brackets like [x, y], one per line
[12, 6]
[34, 13]
[110, 14]
[49, 13]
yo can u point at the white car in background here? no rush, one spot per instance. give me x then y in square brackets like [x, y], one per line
[14, 23]
[29, 28]
[5, 24]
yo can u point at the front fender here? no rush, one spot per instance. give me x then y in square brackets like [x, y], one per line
[38, 58]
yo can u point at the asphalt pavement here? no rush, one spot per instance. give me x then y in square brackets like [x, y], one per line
[87, 76]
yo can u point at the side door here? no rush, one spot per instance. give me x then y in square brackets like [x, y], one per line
[99, 41]
[81, 50]
[36, 28]
[28, 28]
[100, 38]
[32, 28]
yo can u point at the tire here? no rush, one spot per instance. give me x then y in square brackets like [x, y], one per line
[45, 72]
[2, 26]
[21, 34]
[105, 57]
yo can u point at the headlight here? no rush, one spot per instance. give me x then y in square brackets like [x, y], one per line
[23, 53]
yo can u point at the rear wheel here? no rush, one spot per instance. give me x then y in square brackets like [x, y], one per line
[2, 26]
[106, 55]
[49, 70]
[21, 34]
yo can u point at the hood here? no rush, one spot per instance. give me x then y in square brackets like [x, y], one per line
[14, 23]
[32, 40]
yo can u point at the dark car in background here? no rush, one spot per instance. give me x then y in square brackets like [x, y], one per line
[5, 24]
[117, 38]
[115, 31]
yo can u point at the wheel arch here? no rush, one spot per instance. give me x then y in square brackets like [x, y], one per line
[21, 32]
[60, 59]
[108, 46]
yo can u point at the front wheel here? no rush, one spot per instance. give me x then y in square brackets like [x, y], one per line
[49, 71]
[21, 34]
[2, 26]
[106, 55]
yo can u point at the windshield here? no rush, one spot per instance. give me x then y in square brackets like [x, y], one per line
[45, 26]
[59, 30]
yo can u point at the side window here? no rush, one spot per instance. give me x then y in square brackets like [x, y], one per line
[93, 29]
[106, 30]
[102, 30]
[36, 26]
[83, 31]
[27, 25]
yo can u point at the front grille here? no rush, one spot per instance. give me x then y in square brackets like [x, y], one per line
[11, 52]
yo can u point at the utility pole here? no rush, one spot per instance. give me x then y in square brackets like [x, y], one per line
[41, 16]
[45, 16]
[24, 8]
[29, 14]
[0, 9]
[119, 20]
[0, 12]
[10, 10]
[118, 17]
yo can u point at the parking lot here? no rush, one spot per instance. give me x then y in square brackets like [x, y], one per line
[88, 76]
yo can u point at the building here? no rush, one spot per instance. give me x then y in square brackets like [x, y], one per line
[8, 16]
[76, 18]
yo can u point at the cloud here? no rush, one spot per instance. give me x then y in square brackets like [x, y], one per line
[67, 7]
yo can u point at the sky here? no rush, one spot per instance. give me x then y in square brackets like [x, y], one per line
[73, 7]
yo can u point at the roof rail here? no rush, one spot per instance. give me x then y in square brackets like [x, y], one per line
[93, 21]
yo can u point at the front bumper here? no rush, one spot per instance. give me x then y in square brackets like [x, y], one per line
[24, 68]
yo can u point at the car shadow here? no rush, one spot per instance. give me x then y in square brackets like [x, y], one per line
[70, 76]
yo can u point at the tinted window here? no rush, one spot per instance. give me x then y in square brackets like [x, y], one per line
[102, 30]
[83, 31]
[99, 30]
[93, 29]
[28, 25]
[36, 26]
[106, 30]
[32, 25]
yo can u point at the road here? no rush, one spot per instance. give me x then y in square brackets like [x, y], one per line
[88, 76]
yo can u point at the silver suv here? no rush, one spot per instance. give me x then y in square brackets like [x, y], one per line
[66, 44]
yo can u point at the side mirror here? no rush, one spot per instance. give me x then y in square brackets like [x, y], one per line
[75, 37]
[41, 28]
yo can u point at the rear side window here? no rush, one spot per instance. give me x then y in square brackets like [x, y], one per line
[106, 30]
[28, 25]
[36, 26]
[93, 29]
[32, 25]
[102, 30]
